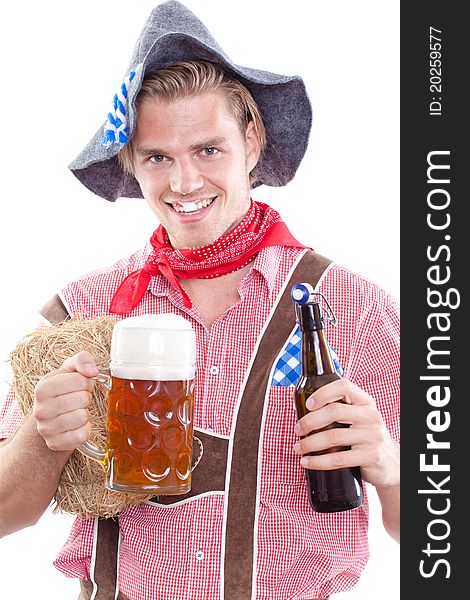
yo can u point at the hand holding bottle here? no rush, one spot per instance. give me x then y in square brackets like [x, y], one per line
[339, 487]
[370, 446]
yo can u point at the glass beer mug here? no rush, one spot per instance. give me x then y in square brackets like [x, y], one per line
[150, 395]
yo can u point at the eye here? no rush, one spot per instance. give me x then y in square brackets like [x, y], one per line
[210, 151]
[157, 158]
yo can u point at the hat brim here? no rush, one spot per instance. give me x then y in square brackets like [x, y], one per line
[282, 100]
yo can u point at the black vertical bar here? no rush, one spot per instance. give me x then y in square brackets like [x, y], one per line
[435, 233]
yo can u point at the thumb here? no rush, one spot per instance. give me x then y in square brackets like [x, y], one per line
[82, 363]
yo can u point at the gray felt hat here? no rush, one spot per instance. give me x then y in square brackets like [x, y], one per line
[173, 33]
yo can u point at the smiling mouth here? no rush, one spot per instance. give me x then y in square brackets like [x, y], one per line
[189, 208]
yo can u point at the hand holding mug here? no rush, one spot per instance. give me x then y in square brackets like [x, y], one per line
[150, 396]
[62, 398]
[150, 383]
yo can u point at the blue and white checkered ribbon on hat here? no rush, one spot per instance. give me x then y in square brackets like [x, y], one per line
[115, 128]
[289, 366]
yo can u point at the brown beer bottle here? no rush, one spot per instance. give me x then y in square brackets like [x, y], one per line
[339, 489]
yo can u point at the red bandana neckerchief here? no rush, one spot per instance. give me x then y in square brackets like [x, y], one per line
[261, 227]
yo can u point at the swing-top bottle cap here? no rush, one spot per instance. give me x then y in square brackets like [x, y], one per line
[302, 293]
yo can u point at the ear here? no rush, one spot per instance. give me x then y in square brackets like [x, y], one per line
[253, 147]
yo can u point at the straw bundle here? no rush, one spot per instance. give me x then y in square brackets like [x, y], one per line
[81, 488]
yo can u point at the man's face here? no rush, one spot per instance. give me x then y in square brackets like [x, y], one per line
[193, 163]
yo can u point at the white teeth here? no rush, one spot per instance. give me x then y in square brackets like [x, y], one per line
[187, 207]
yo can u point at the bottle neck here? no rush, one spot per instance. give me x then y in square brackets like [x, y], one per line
[316, 359]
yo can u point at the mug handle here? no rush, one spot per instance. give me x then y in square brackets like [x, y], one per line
[89, 449]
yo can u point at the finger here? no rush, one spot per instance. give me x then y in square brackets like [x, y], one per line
[69, 440]
[68, 422]
[83, 363]
[334, 460]
[336, 437]
[336, 412]
[341, 390]
[61, 383]
[60, 405]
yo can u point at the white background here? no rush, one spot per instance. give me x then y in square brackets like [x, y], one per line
[61, 64]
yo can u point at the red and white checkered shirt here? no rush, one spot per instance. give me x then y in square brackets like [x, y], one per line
[173, 552]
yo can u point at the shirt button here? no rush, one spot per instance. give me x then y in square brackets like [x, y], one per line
[214, 370]
[199, 555]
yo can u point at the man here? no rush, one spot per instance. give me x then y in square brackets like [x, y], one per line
[187, 134]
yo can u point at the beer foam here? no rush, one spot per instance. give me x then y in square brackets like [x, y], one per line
[161, 321]
[159, 347]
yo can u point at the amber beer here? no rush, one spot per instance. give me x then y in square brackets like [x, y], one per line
[339, 489]
[150, 397]
[150, 435]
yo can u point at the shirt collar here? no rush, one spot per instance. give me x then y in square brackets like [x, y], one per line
[266, 264]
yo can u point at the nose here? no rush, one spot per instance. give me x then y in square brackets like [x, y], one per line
[185, 177]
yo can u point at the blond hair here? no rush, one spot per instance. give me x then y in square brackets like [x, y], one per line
[189, 78]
